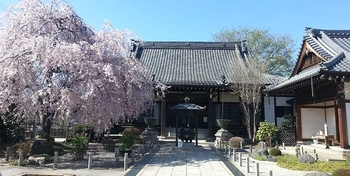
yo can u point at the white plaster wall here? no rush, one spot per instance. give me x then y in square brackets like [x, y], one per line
[347, 90]
[312, 120]
[348, 120]
[269, 105]
[281, 101]
[330, 114]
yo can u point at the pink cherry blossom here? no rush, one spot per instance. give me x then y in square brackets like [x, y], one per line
[55, 65]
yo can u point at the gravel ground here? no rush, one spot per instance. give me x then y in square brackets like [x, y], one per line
[103, 164]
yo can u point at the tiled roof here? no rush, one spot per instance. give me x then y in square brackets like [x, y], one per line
[191, 63]
[332, 45]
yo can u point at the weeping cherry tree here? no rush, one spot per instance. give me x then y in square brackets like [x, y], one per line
[55, 66]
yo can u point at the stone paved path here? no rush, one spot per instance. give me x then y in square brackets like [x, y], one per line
[188, 160]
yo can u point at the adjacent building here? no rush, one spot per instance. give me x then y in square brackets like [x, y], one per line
[320, 85]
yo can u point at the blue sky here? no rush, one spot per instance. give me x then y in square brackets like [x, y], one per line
[198, 20]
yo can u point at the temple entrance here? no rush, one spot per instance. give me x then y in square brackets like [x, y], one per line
[187, 114]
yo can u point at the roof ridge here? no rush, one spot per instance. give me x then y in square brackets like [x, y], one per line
[331, 62]
[192, 45]
[329, 32]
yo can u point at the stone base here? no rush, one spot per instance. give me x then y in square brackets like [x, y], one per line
[222, 137]
[150, 135]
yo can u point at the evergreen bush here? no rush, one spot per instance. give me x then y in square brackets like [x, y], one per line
[80, 146]
[341, 172]
[266, 131]
[275, 152]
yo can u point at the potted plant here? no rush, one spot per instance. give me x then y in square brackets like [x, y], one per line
[127, 142]
[130, 136]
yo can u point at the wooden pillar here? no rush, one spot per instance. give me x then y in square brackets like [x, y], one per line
[336, 120]
[298, 124]
[163, 118]
[343, 131]
[210, 117]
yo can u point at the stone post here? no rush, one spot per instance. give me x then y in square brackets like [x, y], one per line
[7, 153]
[116, 156]
[132, 156]
[302, 150]
[229, 152]
[270, 173]
[21, 158]
[138, 152]
[247, 164]
[234, 155]
[89, 160]
[55, 160]
[257, 169]
[126, 161]
[240, 158]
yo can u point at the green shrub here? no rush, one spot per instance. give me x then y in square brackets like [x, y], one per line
[289, 122]
[291, 162]
[341, 172]
[80, 146]
[306, 158]
[127, 141]
[234, 142]
[266, 131]
[275, 152]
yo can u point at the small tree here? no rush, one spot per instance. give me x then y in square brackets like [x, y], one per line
[289, 122]
[267, 131]
[249, 80]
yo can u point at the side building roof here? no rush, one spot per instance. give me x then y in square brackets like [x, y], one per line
[331, 46]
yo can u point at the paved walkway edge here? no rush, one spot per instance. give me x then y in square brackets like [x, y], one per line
[228, 164]
[134, 169]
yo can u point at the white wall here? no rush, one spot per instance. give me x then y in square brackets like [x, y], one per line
[348, 120]
[330, 114]
[269, 105]
[312, 120]
[347, 91]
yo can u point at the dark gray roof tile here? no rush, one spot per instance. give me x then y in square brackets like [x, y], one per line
[191, 63]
